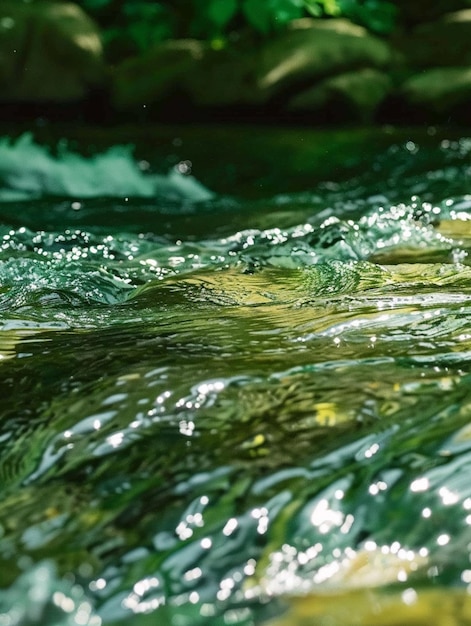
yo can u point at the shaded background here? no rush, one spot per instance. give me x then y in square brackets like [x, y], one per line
[315, 62]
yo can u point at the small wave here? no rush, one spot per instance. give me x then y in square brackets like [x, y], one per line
[28, 170]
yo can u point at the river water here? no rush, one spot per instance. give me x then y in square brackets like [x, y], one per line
[216, 398]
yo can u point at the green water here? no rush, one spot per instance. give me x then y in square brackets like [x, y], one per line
[208, 406]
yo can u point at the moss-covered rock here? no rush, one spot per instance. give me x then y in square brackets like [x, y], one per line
[437, 95]
[156, 75]
[49, 51]
[442, 43]
[439, 90]
[418, 11]
[274, 71]
[354, 95]
[225, 78]
[312, 50]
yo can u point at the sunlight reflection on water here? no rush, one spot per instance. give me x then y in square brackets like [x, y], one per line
[200, 414]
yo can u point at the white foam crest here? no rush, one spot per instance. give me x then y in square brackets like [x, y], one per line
[29, 170]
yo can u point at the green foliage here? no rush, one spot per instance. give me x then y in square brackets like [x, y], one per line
[265, 16]
[146, 23]
[137, 24]
[318, 8]
[272, 14]
[376, 15]
[211, 17]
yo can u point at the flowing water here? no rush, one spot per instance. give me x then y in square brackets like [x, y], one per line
[216, 408]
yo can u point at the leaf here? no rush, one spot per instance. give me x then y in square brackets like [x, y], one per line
[313, 8]
[376, 15]
[382, 17]
[317, 8]
[265, 15]
[211, 17]
[144, 34]
[284, 11]
[220, 12]
[257, 14]
[330, 7]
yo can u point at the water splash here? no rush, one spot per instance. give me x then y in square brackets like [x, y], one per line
[28, 170]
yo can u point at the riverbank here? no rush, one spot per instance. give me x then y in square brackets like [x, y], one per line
[54, 66]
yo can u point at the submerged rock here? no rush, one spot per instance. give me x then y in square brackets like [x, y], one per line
[49, 51]
[383, 608]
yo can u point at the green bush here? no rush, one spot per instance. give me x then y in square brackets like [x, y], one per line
[137, 24]
[378, 16]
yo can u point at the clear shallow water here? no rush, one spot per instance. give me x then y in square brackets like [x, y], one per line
[209, 405]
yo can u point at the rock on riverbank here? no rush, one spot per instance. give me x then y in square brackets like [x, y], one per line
[321, 70]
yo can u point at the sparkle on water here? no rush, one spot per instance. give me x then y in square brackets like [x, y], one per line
[211, 405]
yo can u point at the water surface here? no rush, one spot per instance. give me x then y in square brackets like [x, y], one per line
[212, 402]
